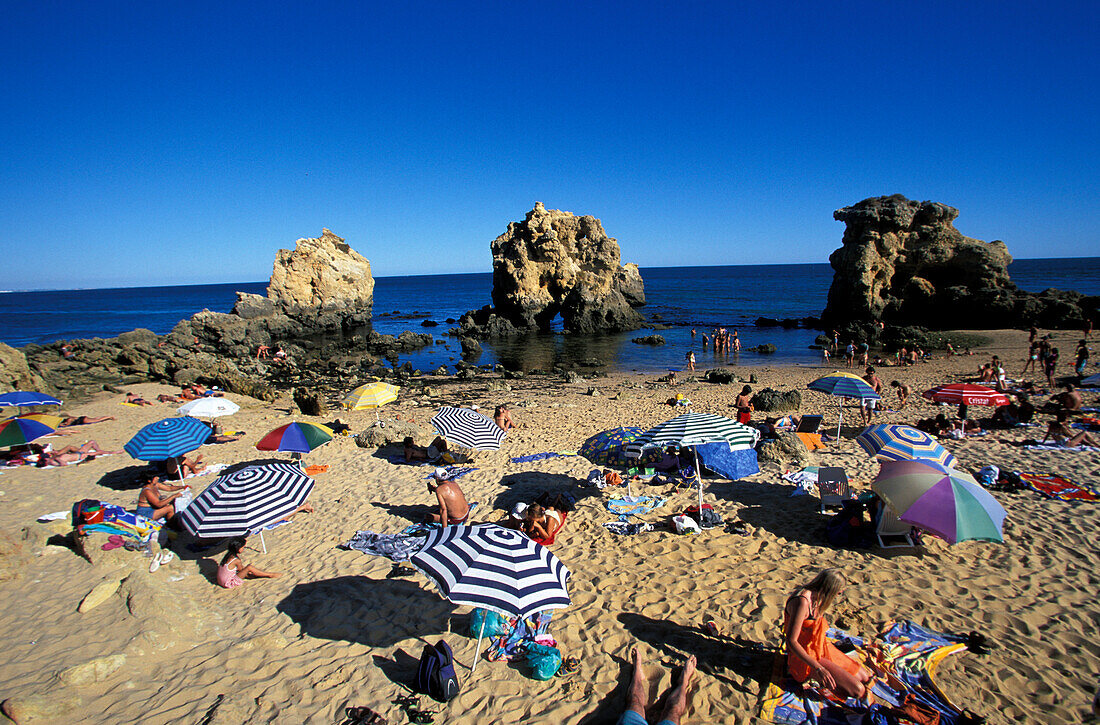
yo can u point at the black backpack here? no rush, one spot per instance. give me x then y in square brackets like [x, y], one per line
[436, 675]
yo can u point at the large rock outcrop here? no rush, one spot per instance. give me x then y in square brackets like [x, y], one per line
[903, 262]
[15, 374]
[323, 273]
[555, 263]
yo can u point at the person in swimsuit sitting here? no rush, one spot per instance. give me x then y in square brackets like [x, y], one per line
[503, 418]
[453, 508]
[181, 466]
[638, 695]
[153, 504]
[809, 653]
[83, 420]
[232, 571]
[1061, 432]
[541, 524]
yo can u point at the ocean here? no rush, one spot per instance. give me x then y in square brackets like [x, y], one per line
[732, 296]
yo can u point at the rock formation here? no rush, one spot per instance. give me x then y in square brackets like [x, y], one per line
[555, 263]
[904, 263]
[322, 273]
[15, 374]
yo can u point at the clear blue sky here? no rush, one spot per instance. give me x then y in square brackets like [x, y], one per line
[174, 143]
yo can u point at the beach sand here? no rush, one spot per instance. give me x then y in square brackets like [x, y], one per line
[334, 631]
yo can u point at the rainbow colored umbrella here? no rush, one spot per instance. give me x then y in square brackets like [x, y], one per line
[939, 499]
[606, 447]
[295, 437]
[23, 429]
[903, 443]
[843, 385]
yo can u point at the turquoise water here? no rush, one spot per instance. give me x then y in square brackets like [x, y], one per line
[680, 297]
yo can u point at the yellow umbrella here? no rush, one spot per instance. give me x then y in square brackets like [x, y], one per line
[371, 395]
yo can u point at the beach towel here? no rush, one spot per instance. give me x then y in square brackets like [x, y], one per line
[1059, 487]
[535, 628]
[117, 520]
[453, 472]
[910, 655]
[420, 528]
[395, 547]
[624, 528]
[732, 465]
[317, 469]
[534, 457]
[634, 506]
[1058, 447]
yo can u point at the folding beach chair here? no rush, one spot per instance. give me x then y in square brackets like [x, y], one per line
[890, 525]
[809, 424]
[832, 484]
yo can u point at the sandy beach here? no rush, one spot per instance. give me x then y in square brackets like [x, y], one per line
[335, 632]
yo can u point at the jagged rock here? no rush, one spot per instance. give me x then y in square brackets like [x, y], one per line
[441, 370]
[321, 273]
[471, 349]
[903, 262]
[571, 376]
[788, 448]
[393, 432]
[655, 340]
[720, 375]
[92, 671]
[250, 306]
[769, 400]
[187, 376]
[310, 402]
[555, 263]
[15, 374]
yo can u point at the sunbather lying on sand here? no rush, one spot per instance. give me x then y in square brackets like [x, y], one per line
[414, 452]
[232, 571]
[134, 399]
[83, 420]
[637, 696]
[809, 654]
[69, 454]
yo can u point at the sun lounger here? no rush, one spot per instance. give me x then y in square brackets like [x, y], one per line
[832, 485]
[889, 525]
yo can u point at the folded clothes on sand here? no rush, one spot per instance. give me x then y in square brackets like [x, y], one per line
[521, 632]
[624, 528]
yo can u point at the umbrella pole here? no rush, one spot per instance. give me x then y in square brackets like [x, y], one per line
[699, 478]
[840, 420]
[263, 544]
[477, 650]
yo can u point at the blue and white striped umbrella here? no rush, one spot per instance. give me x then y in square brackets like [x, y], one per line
[693, 429]
[844, 385]
[167, 438]
[25, 399]
[468, 428]
[246, 500]
[903, 443]
[494, 568]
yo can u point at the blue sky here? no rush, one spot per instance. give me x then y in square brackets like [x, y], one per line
[176, 143]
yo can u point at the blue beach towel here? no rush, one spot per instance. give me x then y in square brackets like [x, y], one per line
[535, 457]
[733, 465]
[636, 506]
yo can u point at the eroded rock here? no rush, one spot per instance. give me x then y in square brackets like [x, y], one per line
[769, 400]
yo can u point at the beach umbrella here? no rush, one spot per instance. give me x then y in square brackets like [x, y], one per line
[939, 499]
[26, 399]
[372, 395]
[23, 429]
[608, 445]
[468, 428]
[247, 500]
[167, 438]
[494, 568]
[693, 429]
[843, 385]
[966, 394]
[208, 408]
[903, 443]
[295, 437]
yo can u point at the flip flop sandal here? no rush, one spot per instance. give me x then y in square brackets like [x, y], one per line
[363, 716]
[711, 628]
[569, 665]
[399, 570]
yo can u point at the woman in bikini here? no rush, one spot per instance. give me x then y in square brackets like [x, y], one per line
[809, 654]
[153, 504]
[232, 571]
[541, 523]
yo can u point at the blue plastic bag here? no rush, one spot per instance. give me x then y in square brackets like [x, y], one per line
[495, 625]
[543, 660]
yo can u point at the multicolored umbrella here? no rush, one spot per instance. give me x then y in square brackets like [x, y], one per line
[966, 394]
[903, 443]
[167, 438]
[468, 428]
[208, 408]
[23, 429]
[295, 437]
[843, 385]
[935, 498]
[26, 399]
[607, 447]
[372, 395]
[494, 568]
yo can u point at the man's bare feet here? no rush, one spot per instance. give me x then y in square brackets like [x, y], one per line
[689, 670]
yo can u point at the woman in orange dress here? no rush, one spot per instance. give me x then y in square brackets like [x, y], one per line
[809, 654]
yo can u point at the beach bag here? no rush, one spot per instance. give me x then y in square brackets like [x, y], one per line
[495, 625]
[88, 511]
[708, 519]
[988, 476]
[611, 478]
[685, 525]
[543, 660]
[435, 675]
